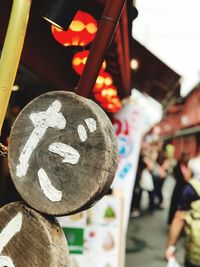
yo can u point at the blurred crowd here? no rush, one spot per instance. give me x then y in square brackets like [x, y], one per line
[156, 163]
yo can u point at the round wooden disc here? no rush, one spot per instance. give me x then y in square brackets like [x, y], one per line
[28, 239]
[62, 153]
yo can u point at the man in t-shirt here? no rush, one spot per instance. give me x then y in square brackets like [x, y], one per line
[189, 195]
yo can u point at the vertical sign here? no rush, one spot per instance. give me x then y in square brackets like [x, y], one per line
[103, 234]
[74, 228]
[129, 126]
[101, 229]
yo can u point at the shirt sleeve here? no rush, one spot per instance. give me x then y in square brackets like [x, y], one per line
[187, 197]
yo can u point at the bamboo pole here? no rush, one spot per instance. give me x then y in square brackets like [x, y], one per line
[104, 35]
[11, 52]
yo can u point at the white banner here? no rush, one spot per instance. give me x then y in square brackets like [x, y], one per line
[102, 242]
[94, 236]
[129, 124]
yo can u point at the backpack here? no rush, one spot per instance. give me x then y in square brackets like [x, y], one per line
[192, 228]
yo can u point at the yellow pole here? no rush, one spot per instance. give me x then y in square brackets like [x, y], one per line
[11, 52]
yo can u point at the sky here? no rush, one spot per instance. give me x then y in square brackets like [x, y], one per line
[170, 30]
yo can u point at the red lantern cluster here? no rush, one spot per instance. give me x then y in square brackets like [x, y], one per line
[113, 105]
[79, 61]
[81, 31]
[103, 80]
[106, 93]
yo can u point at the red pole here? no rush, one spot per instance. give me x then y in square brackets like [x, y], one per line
[107, 26]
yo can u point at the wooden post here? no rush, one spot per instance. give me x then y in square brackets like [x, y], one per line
[28, 238]
[62, 153]
[11, 52]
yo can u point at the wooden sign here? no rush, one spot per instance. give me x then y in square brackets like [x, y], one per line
[62, 153]
[28, 239]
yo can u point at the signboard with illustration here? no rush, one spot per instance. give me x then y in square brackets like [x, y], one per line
[102, 229]
[103, 232]
[74, 229]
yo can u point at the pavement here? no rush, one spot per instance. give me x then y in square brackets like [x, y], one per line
[147, 235]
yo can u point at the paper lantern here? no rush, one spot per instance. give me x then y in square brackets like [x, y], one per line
[81, 31]
[104, 79]
[99, 97]
[106, 93]
[79, 61]
[112, 108]
[113, 105]
[116, 101]
[109, 92]
[109, 107]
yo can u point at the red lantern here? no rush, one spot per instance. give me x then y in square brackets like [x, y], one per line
[116, 101]
[113, 105]
[114, 109]
[109, 92]
[99, 98]
[79, 60]
[103, 80]
[106, 93]
[81, 31]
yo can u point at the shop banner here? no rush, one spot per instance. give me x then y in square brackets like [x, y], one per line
[104, 233]
[74, 229]
[95, 238]
[129, 124]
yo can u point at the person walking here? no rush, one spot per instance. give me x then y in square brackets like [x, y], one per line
[182, 175]
[187, 217]
[144, 182]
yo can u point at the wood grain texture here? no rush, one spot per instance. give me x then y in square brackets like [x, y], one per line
[40, 241]
[82, 183]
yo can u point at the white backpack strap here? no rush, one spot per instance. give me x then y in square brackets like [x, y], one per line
[196, 185]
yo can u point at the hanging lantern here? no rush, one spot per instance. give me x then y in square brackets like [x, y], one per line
[116, 101]
[112, 108]
[79, 61]
[109, 92]
[113, 105]
[104, 79]
[99, 97]
[106, 93]
[81, 31]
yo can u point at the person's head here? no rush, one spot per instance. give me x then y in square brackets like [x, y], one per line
[185, 157]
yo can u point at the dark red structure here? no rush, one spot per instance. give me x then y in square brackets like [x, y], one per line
[181, 124]
[46, 65]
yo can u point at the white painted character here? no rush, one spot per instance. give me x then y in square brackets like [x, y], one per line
[69, 155]
[41, 121]
[51, 118]
[11, 229]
